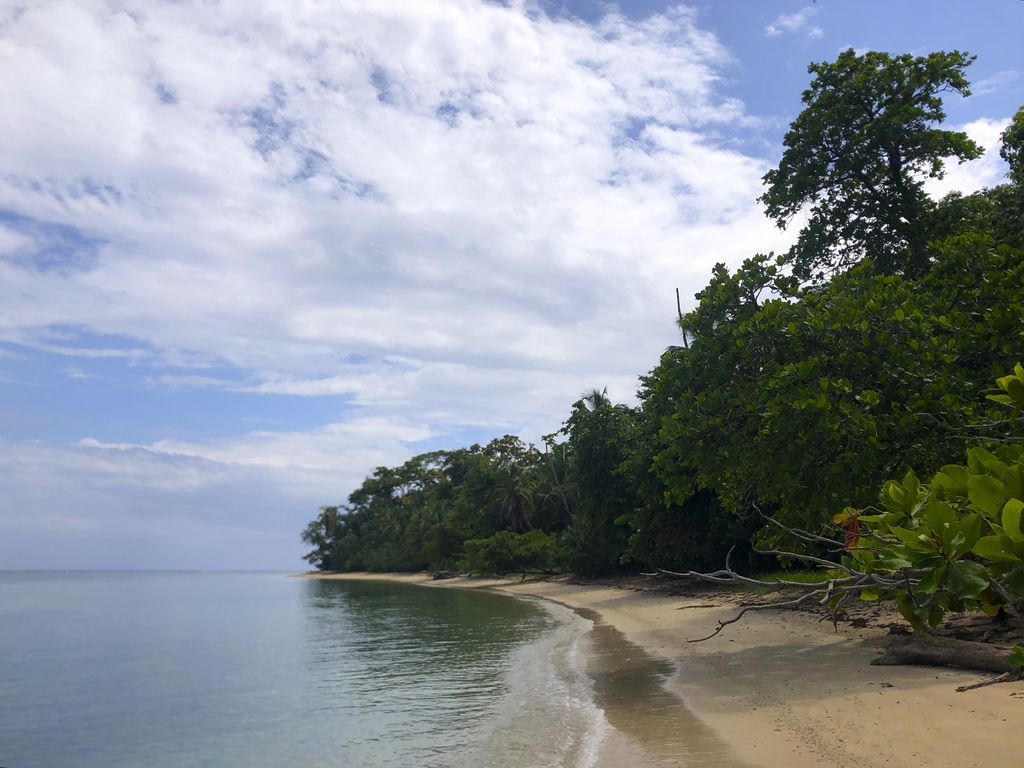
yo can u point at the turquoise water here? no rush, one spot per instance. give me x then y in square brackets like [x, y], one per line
[168, 670]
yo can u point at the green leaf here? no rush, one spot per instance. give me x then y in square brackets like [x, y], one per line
[967, 579]
[952, 477]
[910, 612]
[995, 548]
[911, 539]
[931, 581]
[890, 564]
[986, 494]
[1015, 389]
[970, 528]
[1001, 399]
[912, 487]
[1017, 658]
[939, 515]
[1011, 519]
[978, 460]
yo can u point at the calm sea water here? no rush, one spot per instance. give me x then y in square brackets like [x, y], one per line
[176, 670]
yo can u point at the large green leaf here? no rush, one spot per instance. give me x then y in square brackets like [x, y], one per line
[931, 580]
[953, 479]
[967, 579]
[911, 612]
[1011, 519]
[986, 494]
[912, 539]
[938, 516]
[969, 528]
[995, 548]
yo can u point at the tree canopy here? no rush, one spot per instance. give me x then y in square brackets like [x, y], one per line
[806, 379]
[857, 157]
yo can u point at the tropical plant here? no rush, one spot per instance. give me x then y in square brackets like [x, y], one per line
[955, 543]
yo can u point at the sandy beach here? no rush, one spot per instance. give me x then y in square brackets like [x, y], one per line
[783, 689]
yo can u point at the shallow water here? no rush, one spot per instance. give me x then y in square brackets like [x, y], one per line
[194, 669]
[168, 670]
[654, 726]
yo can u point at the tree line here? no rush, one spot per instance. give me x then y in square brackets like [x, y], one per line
[803, 380]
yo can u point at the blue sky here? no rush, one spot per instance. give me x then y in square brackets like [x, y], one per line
[251, 250]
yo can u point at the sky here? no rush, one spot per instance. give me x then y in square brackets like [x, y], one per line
[252, 249]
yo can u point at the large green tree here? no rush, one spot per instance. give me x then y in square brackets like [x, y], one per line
[857, 157]
[1012, 150]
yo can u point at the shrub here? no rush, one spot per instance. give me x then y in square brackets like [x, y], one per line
[505, 552]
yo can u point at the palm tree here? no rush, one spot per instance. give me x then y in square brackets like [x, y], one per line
[596, 398]
[516, 499]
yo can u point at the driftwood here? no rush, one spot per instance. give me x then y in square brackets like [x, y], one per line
[923, 648]
[926, 649]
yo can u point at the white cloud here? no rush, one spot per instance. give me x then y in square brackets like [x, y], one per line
[995, 82]
[12, 241]
[987, 171]
[798, 23]
[527, 225]
[453, 214]
[88, 507]
[93, 505]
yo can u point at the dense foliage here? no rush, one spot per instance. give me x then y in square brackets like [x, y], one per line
[956, 542]
[858, 156]
[804, 381]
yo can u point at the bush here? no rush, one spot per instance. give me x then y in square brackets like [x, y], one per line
[505, 552]
[956, 542]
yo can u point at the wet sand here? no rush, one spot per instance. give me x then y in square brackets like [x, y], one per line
[778, 690]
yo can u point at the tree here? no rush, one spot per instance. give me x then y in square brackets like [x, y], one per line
[1012, 150]
[858, 156]
[320, 534]
[515, 501]
[600, 437]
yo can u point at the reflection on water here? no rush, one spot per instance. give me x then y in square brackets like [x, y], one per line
[179, 670]
[414, 674]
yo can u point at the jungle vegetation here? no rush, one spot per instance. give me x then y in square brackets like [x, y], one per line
[803, 382]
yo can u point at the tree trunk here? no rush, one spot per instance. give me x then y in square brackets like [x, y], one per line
[938, 651]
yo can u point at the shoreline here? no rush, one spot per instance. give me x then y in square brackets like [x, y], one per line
[784, 689]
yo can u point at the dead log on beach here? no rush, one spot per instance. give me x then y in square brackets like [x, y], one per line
[926, 649]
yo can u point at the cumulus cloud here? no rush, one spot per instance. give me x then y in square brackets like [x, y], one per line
[452, 214]
[435, 180]
[987, 171]
[477, 202]
[798, 23]
[463, 195]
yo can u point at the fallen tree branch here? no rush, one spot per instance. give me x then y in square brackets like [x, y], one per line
[833, 592]
[1008, 677]
[723, 623]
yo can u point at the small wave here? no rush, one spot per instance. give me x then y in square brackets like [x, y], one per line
[547, 717]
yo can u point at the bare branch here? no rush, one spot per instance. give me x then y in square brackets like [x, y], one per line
[805, 558]
[723, 623]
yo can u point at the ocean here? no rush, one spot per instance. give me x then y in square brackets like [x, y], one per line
[251, 670]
